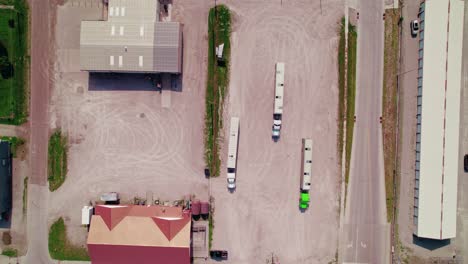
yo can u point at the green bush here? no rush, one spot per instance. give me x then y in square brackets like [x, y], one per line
[10, 252]
[59, 246]
[57, 160]
[15, 142]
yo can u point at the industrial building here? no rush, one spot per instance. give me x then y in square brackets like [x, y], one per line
[438, 118]
[5, 179]
[131, 40]
[122, 234]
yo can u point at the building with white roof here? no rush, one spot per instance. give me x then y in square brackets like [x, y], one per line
[131, 40]
[438, 118]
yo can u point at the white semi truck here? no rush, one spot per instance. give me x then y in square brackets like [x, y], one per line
[232, 153]
[278, 105]
[306, 175]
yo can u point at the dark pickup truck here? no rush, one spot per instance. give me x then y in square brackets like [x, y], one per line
[219, 254]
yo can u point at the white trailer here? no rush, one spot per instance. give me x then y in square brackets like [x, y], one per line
[278, 104]
[232, 152]
[306, 164]
[86, 213]
[110, 197]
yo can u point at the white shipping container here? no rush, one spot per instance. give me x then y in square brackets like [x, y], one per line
[279, 88]
[86, 214]
[110, 197]
[306, 164]
[232, 151]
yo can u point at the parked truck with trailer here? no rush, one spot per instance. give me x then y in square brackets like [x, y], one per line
[306, 175]
[278, 103]
[232, 153]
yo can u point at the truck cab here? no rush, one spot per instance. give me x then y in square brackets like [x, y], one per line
[304, 200]
[276, 128]
[231, 178]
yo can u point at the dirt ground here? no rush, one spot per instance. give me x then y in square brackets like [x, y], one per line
[262, 217]
[130, 142]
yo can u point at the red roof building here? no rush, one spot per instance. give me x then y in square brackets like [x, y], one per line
[123, 234]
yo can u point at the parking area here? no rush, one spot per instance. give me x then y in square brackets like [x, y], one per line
[127, 141]
[261, 218]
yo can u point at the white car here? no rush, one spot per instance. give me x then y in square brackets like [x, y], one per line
[414, 26]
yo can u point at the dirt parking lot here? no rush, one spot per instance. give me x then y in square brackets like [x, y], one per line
[125, 141]
[262, 217]
[138, 141]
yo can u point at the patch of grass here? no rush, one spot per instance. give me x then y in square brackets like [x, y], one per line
[15, 142]
[59, 246]
[14, 62]
[350, 94]
[210, 230]
[57, 160]
[219, 32]
[10, 252]
[389, 106]
[25, 194]
[341, 87]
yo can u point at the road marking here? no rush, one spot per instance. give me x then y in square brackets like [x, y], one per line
[350, 245]
[363, 245]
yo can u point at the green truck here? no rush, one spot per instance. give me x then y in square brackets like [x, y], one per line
[306, 175]
[304, 201]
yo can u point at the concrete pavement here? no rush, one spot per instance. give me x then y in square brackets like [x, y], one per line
[408, 102]
[461, 241]
[12, 131]
[366, 231]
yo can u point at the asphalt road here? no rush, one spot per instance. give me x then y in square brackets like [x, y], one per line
[40, 83]
[366, 236]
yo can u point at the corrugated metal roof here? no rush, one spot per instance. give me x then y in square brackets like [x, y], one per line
[132, 41]
[436, 194]
[452, 129]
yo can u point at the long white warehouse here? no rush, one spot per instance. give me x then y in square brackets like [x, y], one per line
[438, 118]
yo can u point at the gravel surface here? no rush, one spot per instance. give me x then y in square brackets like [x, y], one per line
[262, 216]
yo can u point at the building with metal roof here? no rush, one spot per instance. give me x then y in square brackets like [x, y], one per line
[122, 234]
[438, 118]
[5, 178]
[131, 40]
